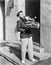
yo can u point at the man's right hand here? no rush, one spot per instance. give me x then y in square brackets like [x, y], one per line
[22, 30]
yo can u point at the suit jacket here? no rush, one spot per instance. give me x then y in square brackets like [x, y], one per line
[24, 29]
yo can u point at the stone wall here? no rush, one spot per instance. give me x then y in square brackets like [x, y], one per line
[45, 32]
[12, 19]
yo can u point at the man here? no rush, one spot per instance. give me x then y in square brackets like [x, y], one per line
[26, 37]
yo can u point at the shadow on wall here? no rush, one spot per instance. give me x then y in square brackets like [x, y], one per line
[2, 20]
[3, 12]
[10, 5]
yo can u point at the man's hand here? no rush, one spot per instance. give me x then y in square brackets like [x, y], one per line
[22, 30]
[38, 25]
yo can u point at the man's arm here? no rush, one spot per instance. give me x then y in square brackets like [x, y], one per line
[19, 27]
[33, 24]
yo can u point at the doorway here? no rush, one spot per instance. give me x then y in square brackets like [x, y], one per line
[32, 8]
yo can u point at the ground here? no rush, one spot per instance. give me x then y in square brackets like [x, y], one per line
[12, 55]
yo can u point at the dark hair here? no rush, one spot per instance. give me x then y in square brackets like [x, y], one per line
[19, 13]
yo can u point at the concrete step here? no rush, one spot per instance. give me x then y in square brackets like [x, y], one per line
[38, 49]
[42, 56]
[40, 53]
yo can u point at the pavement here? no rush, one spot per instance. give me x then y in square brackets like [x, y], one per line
[10, 55]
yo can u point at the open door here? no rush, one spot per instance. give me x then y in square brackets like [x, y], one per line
[32, 8]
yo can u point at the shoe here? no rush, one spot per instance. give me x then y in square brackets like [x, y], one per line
[23, 61]
[33, 60]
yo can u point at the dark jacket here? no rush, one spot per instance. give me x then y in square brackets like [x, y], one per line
[24, 29]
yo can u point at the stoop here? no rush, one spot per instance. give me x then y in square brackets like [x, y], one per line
[40, 53]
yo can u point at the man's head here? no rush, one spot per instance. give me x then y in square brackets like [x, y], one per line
[20, 14]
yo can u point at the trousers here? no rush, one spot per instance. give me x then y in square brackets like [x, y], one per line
[27, 42]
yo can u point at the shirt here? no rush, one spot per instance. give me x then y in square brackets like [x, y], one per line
[25, 31]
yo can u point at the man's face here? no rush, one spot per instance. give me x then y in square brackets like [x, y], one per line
[21, 14]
